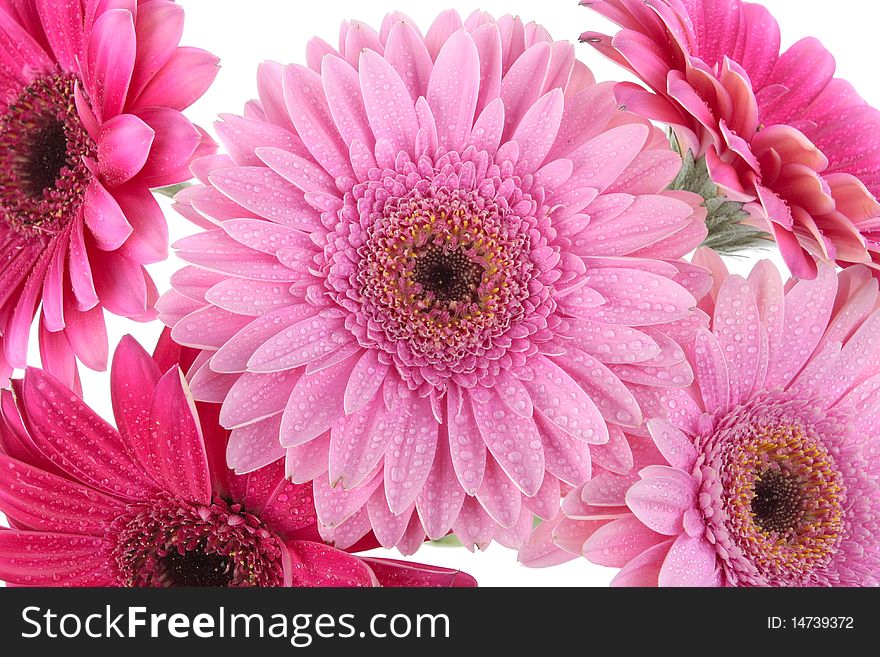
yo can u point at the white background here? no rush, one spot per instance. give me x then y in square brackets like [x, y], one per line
[243, 34]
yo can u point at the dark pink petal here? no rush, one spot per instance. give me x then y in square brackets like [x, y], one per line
[148, 242]
[18, 324]
[159, 28]
[173, 147]
[176, 437]
[309, 564]
[121, 285]
[19, 54]
[63, 25]
[80, 269]
[67, 431]
[393, 573]
[43, 559]
[107, 223]
[123, 148]
[132, 374]
[183, 79]
[111, 53]
[38, 500]
[58, 358]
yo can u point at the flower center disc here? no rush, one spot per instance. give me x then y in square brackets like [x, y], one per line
[449, 276]
[196, 568]
[167, 543]
[783, 499]
[43, 178]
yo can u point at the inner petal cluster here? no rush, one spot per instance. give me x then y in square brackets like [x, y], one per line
[438, 266]
[169, 544]
[43, 174]
[779, 510]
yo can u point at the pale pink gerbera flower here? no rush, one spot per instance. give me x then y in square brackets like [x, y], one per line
[769, 476]
[90, 101]
[778, 131]
[154, 504]
[433, 274]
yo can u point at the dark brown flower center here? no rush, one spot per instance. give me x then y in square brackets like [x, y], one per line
[196, 568]
[777, 504]
[448, 275]
[167, 543]
[43, 175]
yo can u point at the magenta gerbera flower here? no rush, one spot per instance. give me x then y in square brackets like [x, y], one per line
[437, 265]
[777, 131]
[90, 101]
[769, 476]
[153, 503]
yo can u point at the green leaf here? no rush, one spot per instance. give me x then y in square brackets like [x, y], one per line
[450, 541]
[728, 234]
[172, 190]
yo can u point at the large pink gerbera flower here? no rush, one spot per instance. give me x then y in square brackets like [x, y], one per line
[769, 477]
[90, 99]
[154, 504]
[428, 259]
[778, 131]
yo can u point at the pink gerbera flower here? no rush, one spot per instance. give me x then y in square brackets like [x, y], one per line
[778, 131]
[769, 476]
[154, 504]
[90, 101]
[427, 261]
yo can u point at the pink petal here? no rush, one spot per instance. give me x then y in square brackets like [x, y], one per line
[518, 89]
[105, 219]
[123, 148]
[359, 442]
[183, 79]
[390, 108]
[254, 446]
[661, 502]
[639, 298]
[619, 542]
[407, 53]
[176, 437]
[256, 397]
[609, 394]
[306, 103]
[159, 26]
[690, 562]
[408, 462]
[643, 570]
[111, 53]
[388, 527]
[676, 447]
[303, 418]
[474, 527]
[63, 25]
[442, 496]
[808, 307]
[514, 442]
[561, 400]
[97, 456]
[391, 573]
[311, 564]
[498, 495]
[174, 145]
[305, 463]
[44, 559]
[35, 499]
[466, 445]
[453, 89]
